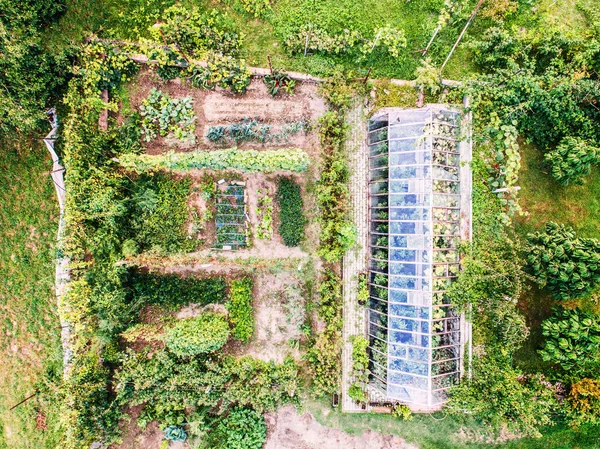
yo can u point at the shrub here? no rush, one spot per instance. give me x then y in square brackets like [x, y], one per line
[222, 71]
[357, 393]
[572, 159]
[402, 412]
[501, 395]
[197, 32]
[363, 288]
[360, 358]
[172, 291]
[338, 233]
[198, 335]
[240, 309]
[291, 217]
[568, 265]
[573, 341]
[244, 160]
[584, 400]
[163, 115]
[242, 428]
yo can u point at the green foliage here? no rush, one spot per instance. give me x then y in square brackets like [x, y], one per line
[104, 66]
[360, 357]
[162, 115]
[363, 288]
[219, 383]
[500, 395]
[30, 75]
[198, 335]
[402, 412]
[568, 265]
[324, 357]
[175, 433]
[244, 160]
[223, 71]
[172, 291]
[428, 77]
[572, 159]
[357, 393]
[264, 229]
[291, 217]
[572, 340]
[277, 80]
[196, 33]
[241, 428]
[251, 131]
[88, 410]
[240, 309]
[338, 234]
[258, 8]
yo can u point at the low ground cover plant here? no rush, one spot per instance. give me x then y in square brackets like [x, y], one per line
[239, 306]
[163, 115]
[277, 81]
[252, 161]
[291, 215]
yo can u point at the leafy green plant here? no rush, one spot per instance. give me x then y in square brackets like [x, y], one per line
[363, 288]
[175, 433]
[568, 265]
[357, 393]
[222, 71]
[584, 400]
[402, 412]
[163, 115]
[241, 428]
[196, 33]
[240, 309]
[264, 229]
[199, 335]
[244, 160]
[338, 233]
[291, 216]
[277, 80]
[258, 8]
[572, 340]
[572, 160]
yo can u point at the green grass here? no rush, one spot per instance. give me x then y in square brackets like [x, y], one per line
[441, 431]
[29, 341]
[545, 200]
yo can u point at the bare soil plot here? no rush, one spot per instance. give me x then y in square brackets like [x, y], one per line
[290, 430]
[220, 107]
[279, 313]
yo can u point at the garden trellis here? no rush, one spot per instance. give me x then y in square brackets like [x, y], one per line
[415, 226]
[231, 217]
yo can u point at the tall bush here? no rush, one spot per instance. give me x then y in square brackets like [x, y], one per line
[572, 340]
[568, 265]
[572, 159]
[291, 217]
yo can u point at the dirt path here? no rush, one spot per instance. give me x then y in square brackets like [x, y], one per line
[290, 430]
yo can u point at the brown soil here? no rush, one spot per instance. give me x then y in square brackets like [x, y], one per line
[279, 312]
[136, 438]
[290, 430]
[219, 107]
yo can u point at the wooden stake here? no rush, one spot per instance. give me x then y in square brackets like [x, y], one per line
[23, 401]
[306, 43]
[270, 66]
[462, 34]
[367, 77]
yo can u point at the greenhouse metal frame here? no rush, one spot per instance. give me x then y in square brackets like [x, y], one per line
[416, 343]
[231, 217]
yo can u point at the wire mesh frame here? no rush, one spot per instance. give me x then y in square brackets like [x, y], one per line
[430, 231]
[222, 220]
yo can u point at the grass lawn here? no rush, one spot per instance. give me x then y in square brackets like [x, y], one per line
[448, 432]
[29, 341]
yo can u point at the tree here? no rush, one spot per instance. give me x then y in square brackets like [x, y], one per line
[568, 265]
[199, 335]
[572, 159]
[503, 396]
[573, 341]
